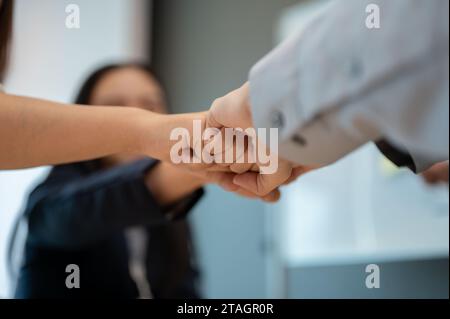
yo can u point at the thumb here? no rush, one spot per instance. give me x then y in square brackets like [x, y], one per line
[263, 184]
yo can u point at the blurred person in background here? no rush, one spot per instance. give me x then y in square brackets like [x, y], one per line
[31, 130]
[112, 216]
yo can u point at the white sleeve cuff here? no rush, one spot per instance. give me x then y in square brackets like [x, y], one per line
[274, 90]
[275, 101]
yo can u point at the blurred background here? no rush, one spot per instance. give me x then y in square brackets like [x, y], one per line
[328, 226]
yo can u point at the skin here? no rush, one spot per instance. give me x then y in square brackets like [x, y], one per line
[36, 132]
[437, 174]
[233, 110]
[132, 87]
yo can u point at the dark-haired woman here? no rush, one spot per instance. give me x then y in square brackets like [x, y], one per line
[110, 216]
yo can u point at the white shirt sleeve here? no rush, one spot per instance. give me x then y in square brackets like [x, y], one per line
[338, 84]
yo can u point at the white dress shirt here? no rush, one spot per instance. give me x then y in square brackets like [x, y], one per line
[338, 84]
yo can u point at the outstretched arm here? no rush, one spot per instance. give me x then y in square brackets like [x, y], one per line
[35, 132]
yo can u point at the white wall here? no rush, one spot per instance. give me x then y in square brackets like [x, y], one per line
[50, 61]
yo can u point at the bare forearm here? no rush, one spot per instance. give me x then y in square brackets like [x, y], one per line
[36, 132]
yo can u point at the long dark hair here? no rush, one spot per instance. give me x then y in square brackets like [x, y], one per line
[6, 19]
[85, 92]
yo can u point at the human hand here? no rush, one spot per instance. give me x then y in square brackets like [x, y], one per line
[226, 181]
[160, 181]
[233, 111]
[180, 141]
[183, 138]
